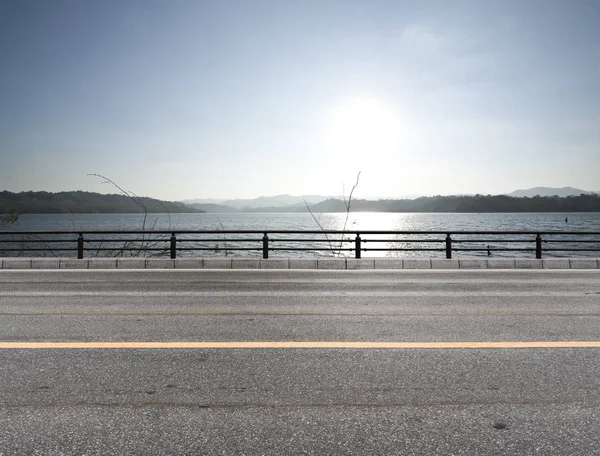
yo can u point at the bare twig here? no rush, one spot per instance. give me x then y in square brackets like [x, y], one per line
[31, 240]
[320, 226]
[347, 205]
[224, 238]
[138, 201]
[9, 218]
[131, 195]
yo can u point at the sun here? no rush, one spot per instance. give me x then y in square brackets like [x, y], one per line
[363, 127]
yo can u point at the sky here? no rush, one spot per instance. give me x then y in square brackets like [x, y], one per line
[177, 99]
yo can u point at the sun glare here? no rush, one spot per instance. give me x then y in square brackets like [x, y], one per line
[364, 127]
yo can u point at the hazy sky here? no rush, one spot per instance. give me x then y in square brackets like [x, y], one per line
[183, 99]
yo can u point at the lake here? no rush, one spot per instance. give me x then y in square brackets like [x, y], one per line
[303, 221]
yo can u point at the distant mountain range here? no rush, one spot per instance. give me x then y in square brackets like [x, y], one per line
[548, 191]
[538, 199]
[435, 204]
[261, 201]
[297, 202]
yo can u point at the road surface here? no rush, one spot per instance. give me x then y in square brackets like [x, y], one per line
[299, 362]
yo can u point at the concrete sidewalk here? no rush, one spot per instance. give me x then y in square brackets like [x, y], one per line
[298, 263]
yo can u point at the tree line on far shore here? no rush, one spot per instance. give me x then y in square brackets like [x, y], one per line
[469, 204]
[79, 202]
[455, 203]
[88, 202]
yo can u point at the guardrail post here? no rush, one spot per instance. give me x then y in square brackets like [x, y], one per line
[265, 248]
[357, 246]
[80, 246]
[538, 246]
[448, 246]
[173, 246]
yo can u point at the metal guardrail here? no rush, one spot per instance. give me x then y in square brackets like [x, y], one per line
[170, 242]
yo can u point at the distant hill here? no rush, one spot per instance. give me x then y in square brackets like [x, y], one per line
[434, 204]
[213, 208]
[268, 203]
[291, 203]
[263, 202]
[203, 201]
[469, 204]
[79, 202]
[548, 191]
[274, 201]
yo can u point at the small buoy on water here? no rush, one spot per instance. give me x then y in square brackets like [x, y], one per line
[566, 219]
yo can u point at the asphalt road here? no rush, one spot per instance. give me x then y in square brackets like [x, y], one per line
[248, 400]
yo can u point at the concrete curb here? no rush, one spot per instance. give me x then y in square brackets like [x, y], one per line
[299, 263]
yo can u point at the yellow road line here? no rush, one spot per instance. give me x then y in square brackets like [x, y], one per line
[338, 345]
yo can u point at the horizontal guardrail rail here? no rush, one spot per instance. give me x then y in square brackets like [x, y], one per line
[324, 242]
